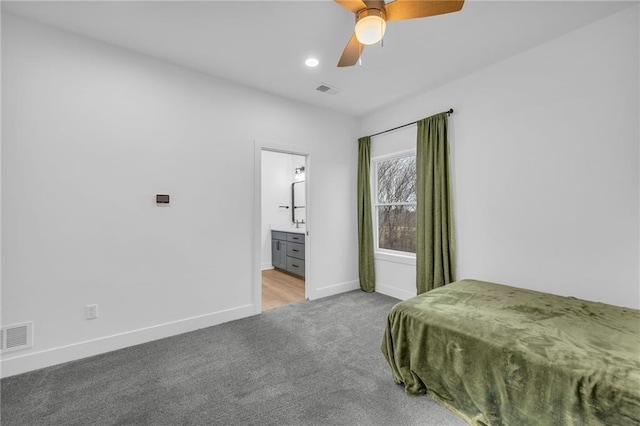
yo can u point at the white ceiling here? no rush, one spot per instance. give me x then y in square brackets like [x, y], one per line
[263, 44]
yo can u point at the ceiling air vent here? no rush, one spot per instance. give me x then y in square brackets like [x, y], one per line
[17, 336]
[329, 90]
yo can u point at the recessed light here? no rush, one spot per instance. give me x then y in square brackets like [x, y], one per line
[311, 62]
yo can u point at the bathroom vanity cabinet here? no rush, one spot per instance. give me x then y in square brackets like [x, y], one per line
[287, 252]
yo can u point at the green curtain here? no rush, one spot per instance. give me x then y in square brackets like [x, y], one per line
[435, 254]
[365, 225]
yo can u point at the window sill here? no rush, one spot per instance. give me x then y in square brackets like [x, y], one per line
[396, 258]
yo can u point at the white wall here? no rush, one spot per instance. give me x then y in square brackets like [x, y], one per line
[90, 134]
[545, 159]
[277, 176]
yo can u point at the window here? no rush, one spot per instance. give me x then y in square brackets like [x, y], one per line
[395, 203]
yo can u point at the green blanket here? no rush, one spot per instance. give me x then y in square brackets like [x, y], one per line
[500, 355]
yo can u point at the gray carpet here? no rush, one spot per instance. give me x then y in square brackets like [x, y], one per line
[312, 363]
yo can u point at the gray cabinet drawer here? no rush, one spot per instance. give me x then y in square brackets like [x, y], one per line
[295, 266]
[295, 250]
[295, 238]
[277, 235]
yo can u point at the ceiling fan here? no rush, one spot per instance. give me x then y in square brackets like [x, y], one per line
[372, 17]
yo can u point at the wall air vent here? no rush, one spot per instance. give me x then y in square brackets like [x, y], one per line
[329, 90]
[16, 337]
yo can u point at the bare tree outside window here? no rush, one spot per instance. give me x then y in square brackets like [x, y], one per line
[396, 204]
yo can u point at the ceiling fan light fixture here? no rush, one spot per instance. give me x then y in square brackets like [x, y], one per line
[370, 26]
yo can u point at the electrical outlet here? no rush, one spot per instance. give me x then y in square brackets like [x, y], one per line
[92, 311]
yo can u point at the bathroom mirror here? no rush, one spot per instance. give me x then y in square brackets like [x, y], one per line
[298, 202]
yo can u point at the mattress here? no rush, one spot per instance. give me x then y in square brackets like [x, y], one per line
[501, 355]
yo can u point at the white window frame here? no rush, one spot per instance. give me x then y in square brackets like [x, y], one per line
[382, 253]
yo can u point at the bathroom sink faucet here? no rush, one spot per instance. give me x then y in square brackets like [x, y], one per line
[298, 222]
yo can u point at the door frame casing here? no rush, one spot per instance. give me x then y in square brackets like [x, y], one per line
[259, 146]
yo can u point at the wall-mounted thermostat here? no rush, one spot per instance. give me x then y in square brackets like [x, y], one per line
[162, 198]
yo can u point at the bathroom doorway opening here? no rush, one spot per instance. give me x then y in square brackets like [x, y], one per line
[283, 228]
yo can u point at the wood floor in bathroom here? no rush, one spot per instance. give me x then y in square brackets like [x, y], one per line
[280, 289]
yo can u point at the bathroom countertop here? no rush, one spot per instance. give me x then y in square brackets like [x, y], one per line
[285, 228]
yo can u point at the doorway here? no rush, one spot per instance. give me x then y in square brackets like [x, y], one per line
[283, 228]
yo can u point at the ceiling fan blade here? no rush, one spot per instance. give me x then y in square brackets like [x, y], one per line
[409, 9]
[351, 53]
[377, 4]
[352, 5]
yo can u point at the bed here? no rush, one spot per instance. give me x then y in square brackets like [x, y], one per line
[500, 355]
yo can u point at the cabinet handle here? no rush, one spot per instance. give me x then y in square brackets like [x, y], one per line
[278, 246]
[295, 250]
[294, 265]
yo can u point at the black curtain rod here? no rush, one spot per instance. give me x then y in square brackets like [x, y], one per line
[408, 124]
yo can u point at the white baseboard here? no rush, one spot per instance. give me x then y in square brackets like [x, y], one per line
[395, 292]
[335, 289]
[266, 265]
[36, 360]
